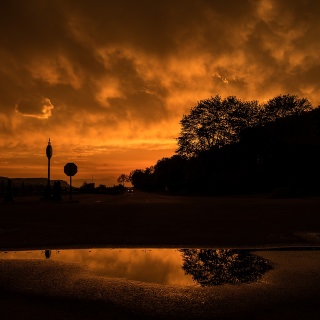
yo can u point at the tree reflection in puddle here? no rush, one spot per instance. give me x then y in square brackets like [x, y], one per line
[210, 267]
[184, 267]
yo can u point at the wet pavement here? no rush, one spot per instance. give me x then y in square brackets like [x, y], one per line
[283, 232]
[183, 267]
[72, 289]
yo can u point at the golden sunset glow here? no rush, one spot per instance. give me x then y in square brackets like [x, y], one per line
[109, 81]
[162, 266]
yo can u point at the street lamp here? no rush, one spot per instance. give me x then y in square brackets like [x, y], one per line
[49, 155]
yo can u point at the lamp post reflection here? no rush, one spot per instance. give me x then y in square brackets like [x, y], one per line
[47, 254]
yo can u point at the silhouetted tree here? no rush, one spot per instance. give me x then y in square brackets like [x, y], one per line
[169, 173]
[232, 146]
[284, 106]
[136, 178]
[287, 154]
[215, 122]
[143, 179]
[123, 178]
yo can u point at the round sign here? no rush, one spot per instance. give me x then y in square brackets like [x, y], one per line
[70, 169]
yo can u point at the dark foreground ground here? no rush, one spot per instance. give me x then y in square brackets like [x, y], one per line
[142, 219]
[33, 289]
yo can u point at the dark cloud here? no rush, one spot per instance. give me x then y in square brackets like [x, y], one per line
[113, 66]
[37, 107]
[76, 45]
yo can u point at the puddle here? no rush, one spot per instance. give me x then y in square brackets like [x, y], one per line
[210, 267]
[185, 267]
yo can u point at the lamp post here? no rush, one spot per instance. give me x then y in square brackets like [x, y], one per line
[49, 155]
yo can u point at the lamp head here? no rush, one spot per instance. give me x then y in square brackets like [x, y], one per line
[49, 150]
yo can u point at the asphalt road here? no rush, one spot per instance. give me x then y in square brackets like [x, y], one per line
[151, 220]
[37, 289]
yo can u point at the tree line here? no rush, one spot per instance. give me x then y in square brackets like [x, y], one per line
[216, 122]
[231, 146]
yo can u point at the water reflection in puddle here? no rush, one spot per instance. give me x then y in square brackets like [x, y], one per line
[215, 267]
[204, 267]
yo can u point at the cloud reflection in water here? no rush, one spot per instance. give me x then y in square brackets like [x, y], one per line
[184, 267]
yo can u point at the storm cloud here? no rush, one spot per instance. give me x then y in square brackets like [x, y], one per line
[122, 73]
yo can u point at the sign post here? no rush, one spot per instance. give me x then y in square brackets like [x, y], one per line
[70, 169]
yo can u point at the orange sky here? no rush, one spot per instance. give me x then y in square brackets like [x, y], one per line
[108, 81]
